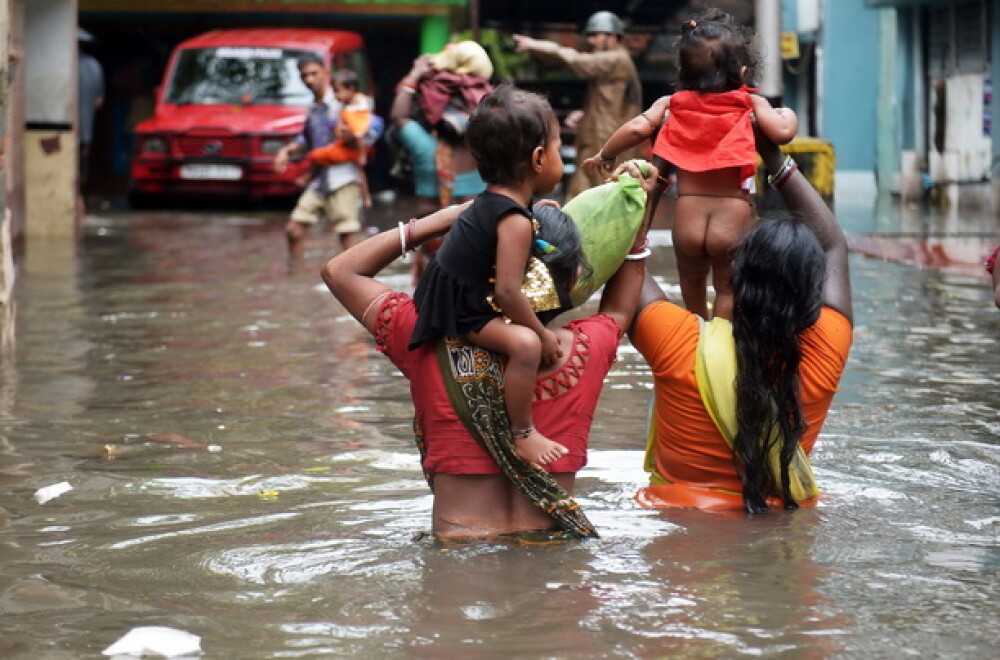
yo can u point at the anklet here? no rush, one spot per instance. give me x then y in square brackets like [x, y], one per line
[523, 433]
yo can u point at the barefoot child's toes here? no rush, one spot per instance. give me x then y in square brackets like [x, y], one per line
[536, 448]
[555, 454]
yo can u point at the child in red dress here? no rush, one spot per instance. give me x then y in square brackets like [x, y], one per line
[707, 134]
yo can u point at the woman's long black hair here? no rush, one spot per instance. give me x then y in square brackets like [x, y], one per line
[567, 262]
[777, 281]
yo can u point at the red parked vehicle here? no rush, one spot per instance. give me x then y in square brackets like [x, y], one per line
[229, 100]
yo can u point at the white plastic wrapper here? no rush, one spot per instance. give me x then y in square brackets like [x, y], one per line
[43, 495]
[155, 640]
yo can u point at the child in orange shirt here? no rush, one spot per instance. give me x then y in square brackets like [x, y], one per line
[709, 138]
[356, 116]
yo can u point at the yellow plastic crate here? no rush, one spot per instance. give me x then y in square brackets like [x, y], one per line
[817, 162]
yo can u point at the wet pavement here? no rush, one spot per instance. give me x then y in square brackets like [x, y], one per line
[242, 468]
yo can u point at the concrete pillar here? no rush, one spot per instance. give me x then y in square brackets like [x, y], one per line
[6, 254]
[995, 83]
[768, 22]
[50, 148]
[886, 114]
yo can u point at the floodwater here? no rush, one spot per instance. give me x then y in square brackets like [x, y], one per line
[242, 469]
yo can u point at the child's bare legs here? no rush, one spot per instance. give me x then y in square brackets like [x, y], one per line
[706, 231]
[723, 305]
[523, 349]
[726, 228]
[690, 227]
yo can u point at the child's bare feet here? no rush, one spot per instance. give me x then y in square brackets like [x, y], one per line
[537, 449]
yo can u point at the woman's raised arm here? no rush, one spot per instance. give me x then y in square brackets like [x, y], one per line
[807, 206]
[621, 292]
[350, 275]
[402, 102]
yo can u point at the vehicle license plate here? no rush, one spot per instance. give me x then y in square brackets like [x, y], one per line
[211, 171]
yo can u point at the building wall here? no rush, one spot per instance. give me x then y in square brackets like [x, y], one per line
[849, 68]
[50, 148]
[13, 145]
[6, 245]
[995, 81]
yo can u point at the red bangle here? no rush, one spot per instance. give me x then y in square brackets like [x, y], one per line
[639, 249]
[778, 183]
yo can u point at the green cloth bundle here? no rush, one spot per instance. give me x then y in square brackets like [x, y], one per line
[608, 216]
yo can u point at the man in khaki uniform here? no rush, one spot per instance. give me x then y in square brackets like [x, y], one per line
[613, 93]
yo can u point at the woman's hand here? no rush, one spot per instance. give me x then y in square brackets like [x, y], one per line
[422, 66]
[351, 275]
[437, 223]
[647, 181]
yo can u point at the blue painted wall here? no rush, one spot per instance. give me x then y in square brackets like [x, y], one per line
[789, 83]
[850, 40]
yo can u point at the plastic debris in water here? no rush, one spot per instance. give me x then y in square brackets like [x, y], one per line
[156, 640]
[43, 495]
[268, 494]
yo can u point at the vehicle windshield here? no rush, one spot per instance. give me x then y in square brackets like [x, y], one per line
[238, 75]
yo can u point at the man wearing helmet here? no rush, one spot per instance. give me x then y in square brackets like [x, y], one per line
[613, 92]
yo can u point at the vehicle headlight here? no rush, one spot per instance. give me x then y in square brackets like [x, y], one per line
[271, 146]
[154, 145]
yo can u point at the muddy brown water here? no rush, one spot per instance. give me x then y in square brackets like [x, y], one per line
[291, 522]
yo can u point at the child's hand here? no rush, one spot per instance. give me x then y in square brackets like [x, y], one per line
[551, 351]
[303, 179]
[599, 164]
[573, 119]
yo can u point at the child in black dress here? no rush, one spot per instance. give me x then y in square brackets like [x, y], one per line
[514, 137]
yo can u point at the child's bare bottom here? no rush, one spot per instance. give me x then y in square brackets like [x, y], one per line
[710, 222]
[483, 505]
[523, 350]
